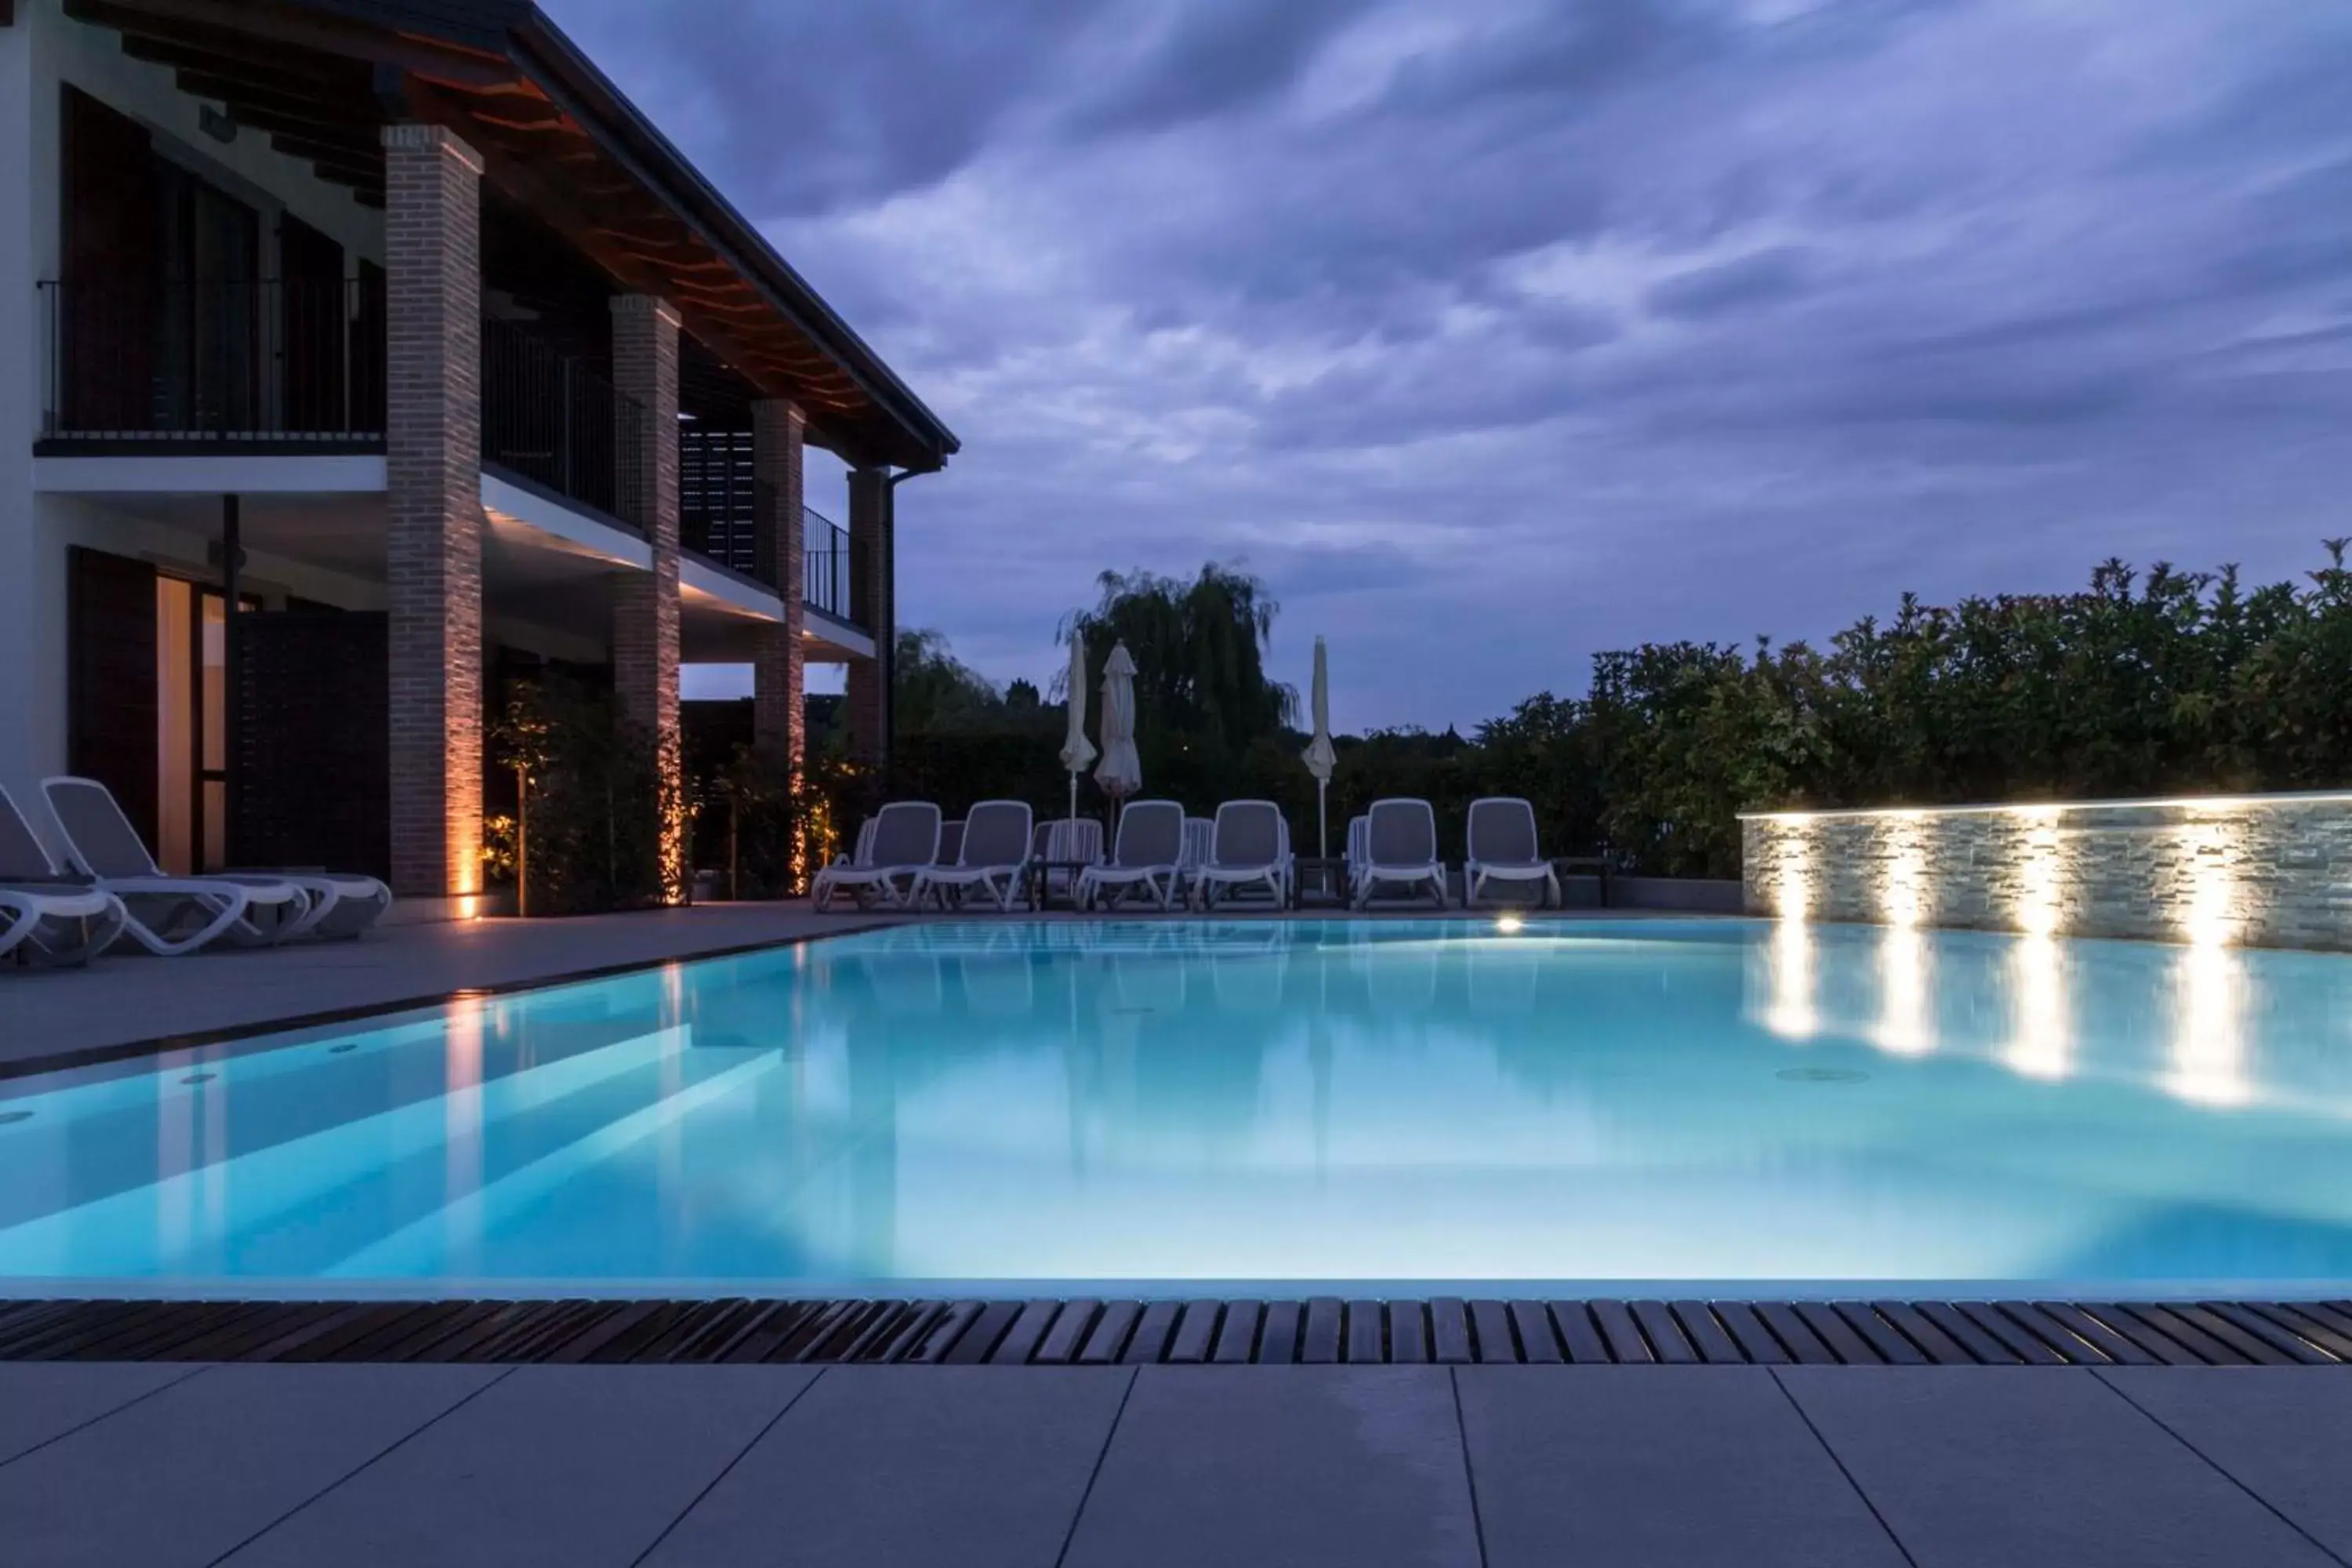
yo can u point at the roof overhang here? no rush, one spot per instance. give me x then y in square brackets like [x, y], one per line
[320, 77]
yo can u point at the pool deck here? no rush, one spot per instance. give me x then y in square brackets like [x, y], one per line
[154, 1465]
[128, 1003]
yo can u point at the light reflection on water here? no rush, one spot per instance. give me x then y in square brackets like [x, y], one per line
[1166, 1102]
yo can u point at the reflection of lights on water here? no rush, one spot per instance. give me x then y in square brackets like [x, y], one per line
[1791, 1012]
[1507, 924]
[2041, 1045]
[1903, 977]
[2209, 1045]
[461, 1100]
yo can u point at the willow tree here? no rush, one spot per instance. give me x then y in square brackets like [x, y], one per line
[1199, 649]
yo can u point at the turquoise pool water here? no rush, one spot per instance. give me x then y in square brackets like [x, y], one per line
[991, 1105]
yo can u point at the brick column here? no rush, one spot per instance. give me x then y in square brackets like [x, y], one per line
[645, 604]
[870, 606]
[432, 452]
[777, 670]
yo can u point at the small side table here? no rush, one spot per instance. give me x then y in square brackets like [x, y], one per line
[1569, 864]
[1041, 879]
[1328, 873]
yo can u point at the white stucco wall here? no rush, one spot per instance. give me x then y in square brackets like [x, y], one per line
[27, 687]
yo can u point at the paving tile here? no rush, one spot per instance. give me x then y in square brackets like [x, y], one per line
[1299, 1466]
[186, 1475]
[1631, 1466]
[2015, 1466]
[974, 1467]
[2282, 1432]
[42, 1401]
[556, 1465]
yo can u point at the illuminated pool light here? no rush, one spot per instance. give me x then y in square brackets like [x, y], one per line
[1507, 924]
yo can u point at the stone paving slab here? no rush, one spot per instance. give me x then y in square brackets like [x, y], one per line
[1640, 1467]
[2283, 1436]
[1353, 1466]
[569, 1466]
[179, 1478]
[962, 1467]
[42, 1401]
[2022, 1467]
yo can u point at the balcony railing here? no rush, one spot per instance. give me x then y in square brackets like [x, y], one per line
[554, 421]
[824, 564]
[209, 359]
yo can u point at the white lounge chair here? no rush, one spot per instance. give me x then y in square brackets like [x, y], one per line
[338, 904]
[1401, 850]
[1358, 852]
[1148, 853]
[168, 915]
[58, 919]
[892, 846]
[991, 853]
[1066, 846]
[1500, 845]
[1247, 851]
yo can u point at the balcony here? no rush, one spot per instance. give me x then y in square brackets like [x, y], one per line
[552, 421]
[164, 362]
[719, 494]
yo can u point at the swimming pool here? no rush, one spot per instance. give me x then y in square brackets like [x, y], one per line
[1027, 1105]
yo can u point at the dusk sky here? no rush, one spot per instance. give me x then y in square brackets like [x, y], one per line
[1492, 333]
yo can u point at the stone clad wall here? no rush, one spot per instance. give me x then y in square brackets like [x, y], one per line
[2264, 871]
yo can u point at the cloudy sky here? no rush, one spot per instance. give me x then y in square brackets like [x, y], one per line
[1493, 332]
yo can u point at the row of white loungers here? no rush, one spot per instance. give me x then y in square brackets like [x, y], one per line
[904, 856]
[1393, 849]
[110, 886]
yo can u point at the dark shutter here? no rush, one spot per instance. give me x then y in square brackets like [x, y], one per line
[110, 707]
[110, 268]
[313, 745]
[310, 325]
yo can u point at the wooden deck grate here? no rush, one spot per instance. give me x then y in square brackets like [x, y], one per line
[1323, 1330]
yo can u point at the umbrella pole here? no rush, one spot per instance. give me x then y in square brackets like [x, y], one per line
[1322, 822]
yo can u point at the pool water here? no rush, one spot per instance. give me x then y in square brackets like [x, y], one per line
[1398, 1104]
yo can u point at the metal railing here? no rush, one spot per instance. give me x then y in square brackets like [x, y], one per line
[147, 358]
[554, 420]
[824, 564]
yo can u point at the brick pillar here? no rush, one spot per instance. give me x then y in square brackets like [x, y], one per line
[645, 605]
[870, 606]
[433, 451]
[777, 670]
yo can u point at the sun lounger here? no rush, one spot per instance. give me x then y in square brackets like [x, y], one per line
[1358, 852]
[1501, 846]
[1148, 853]
[904, 839]
[169, 915]
[58, 919]
[1247, 851]
[992, 854]
[1401, 850]
[336, 904]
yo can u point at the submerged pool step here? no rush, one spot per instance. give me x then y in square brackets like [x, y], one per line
[1322, 1330]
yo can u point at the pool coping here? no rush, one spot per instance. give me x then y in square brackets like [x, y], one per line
[324, 1019]
[1321, 1330]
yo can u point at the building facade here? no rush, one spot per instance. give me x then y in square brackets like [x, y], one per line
[358, 356]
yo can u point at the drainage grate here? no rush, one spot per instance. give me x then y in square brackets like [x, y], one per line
[1821, 1075]
[1319, 1330]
